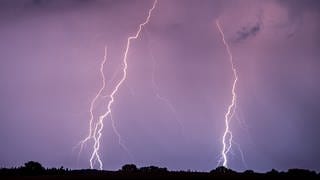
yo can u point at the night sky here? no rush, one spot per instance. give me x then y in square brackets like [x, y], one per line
[50, 55]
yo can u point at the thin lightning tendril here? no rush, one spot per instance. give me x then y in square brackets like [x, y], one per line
[156, 88]
[120, 141]
[91, 135]
[99, 126]
[241, 155]
[227, 135]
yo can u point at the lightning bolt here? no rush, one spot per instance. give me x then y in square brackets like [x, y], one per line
[227, 135]
[99, 94]
[91, 121]
[95, 157]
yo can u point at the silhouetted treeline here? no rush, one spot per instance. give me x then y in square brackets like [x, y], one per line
[34, 170]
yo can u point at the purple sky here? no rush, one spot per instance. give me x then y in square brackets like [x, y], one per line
[51, 50]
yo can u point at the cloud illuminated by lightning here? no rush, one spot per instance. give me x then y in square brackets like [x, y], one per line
[227, 135]
[95, 157]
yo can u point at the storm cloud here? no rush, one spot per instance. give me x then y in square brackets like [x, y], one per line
[247, 32]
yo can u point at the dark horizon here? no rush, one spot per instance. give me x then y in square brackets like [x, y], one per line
[36, 170]
[134, 166]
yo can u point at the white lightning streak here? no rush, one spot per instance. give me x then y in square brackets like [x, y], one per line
[99, 126]
[90, 135]
[227, 135]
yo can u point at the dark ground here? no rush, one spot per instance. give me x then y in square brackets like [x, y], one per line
[34, 170]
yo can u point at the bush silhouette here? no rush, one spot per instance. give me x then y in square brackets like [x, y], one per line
[153, 169]
[129, 168]
[248, 172]
[273, 172]
[222, 170]
[301, 172]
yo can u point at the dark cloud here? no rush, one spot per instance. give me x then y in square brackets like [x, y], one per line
[57, 3]
[29, 4]
[296, 7]
[37, 2]
[302, 5]
[299, 13]
[249, 31]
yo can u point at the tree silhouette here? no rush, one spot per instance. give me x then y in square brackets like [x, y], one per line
[33, 166]
[153, 169]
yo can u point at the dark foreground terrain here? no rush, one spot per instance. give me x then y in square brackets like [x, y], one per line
[34, 170]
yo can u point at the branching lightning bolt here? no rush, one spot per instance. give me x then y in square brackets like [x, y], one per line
[95, 157]
[227, 135]
[91, 121]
